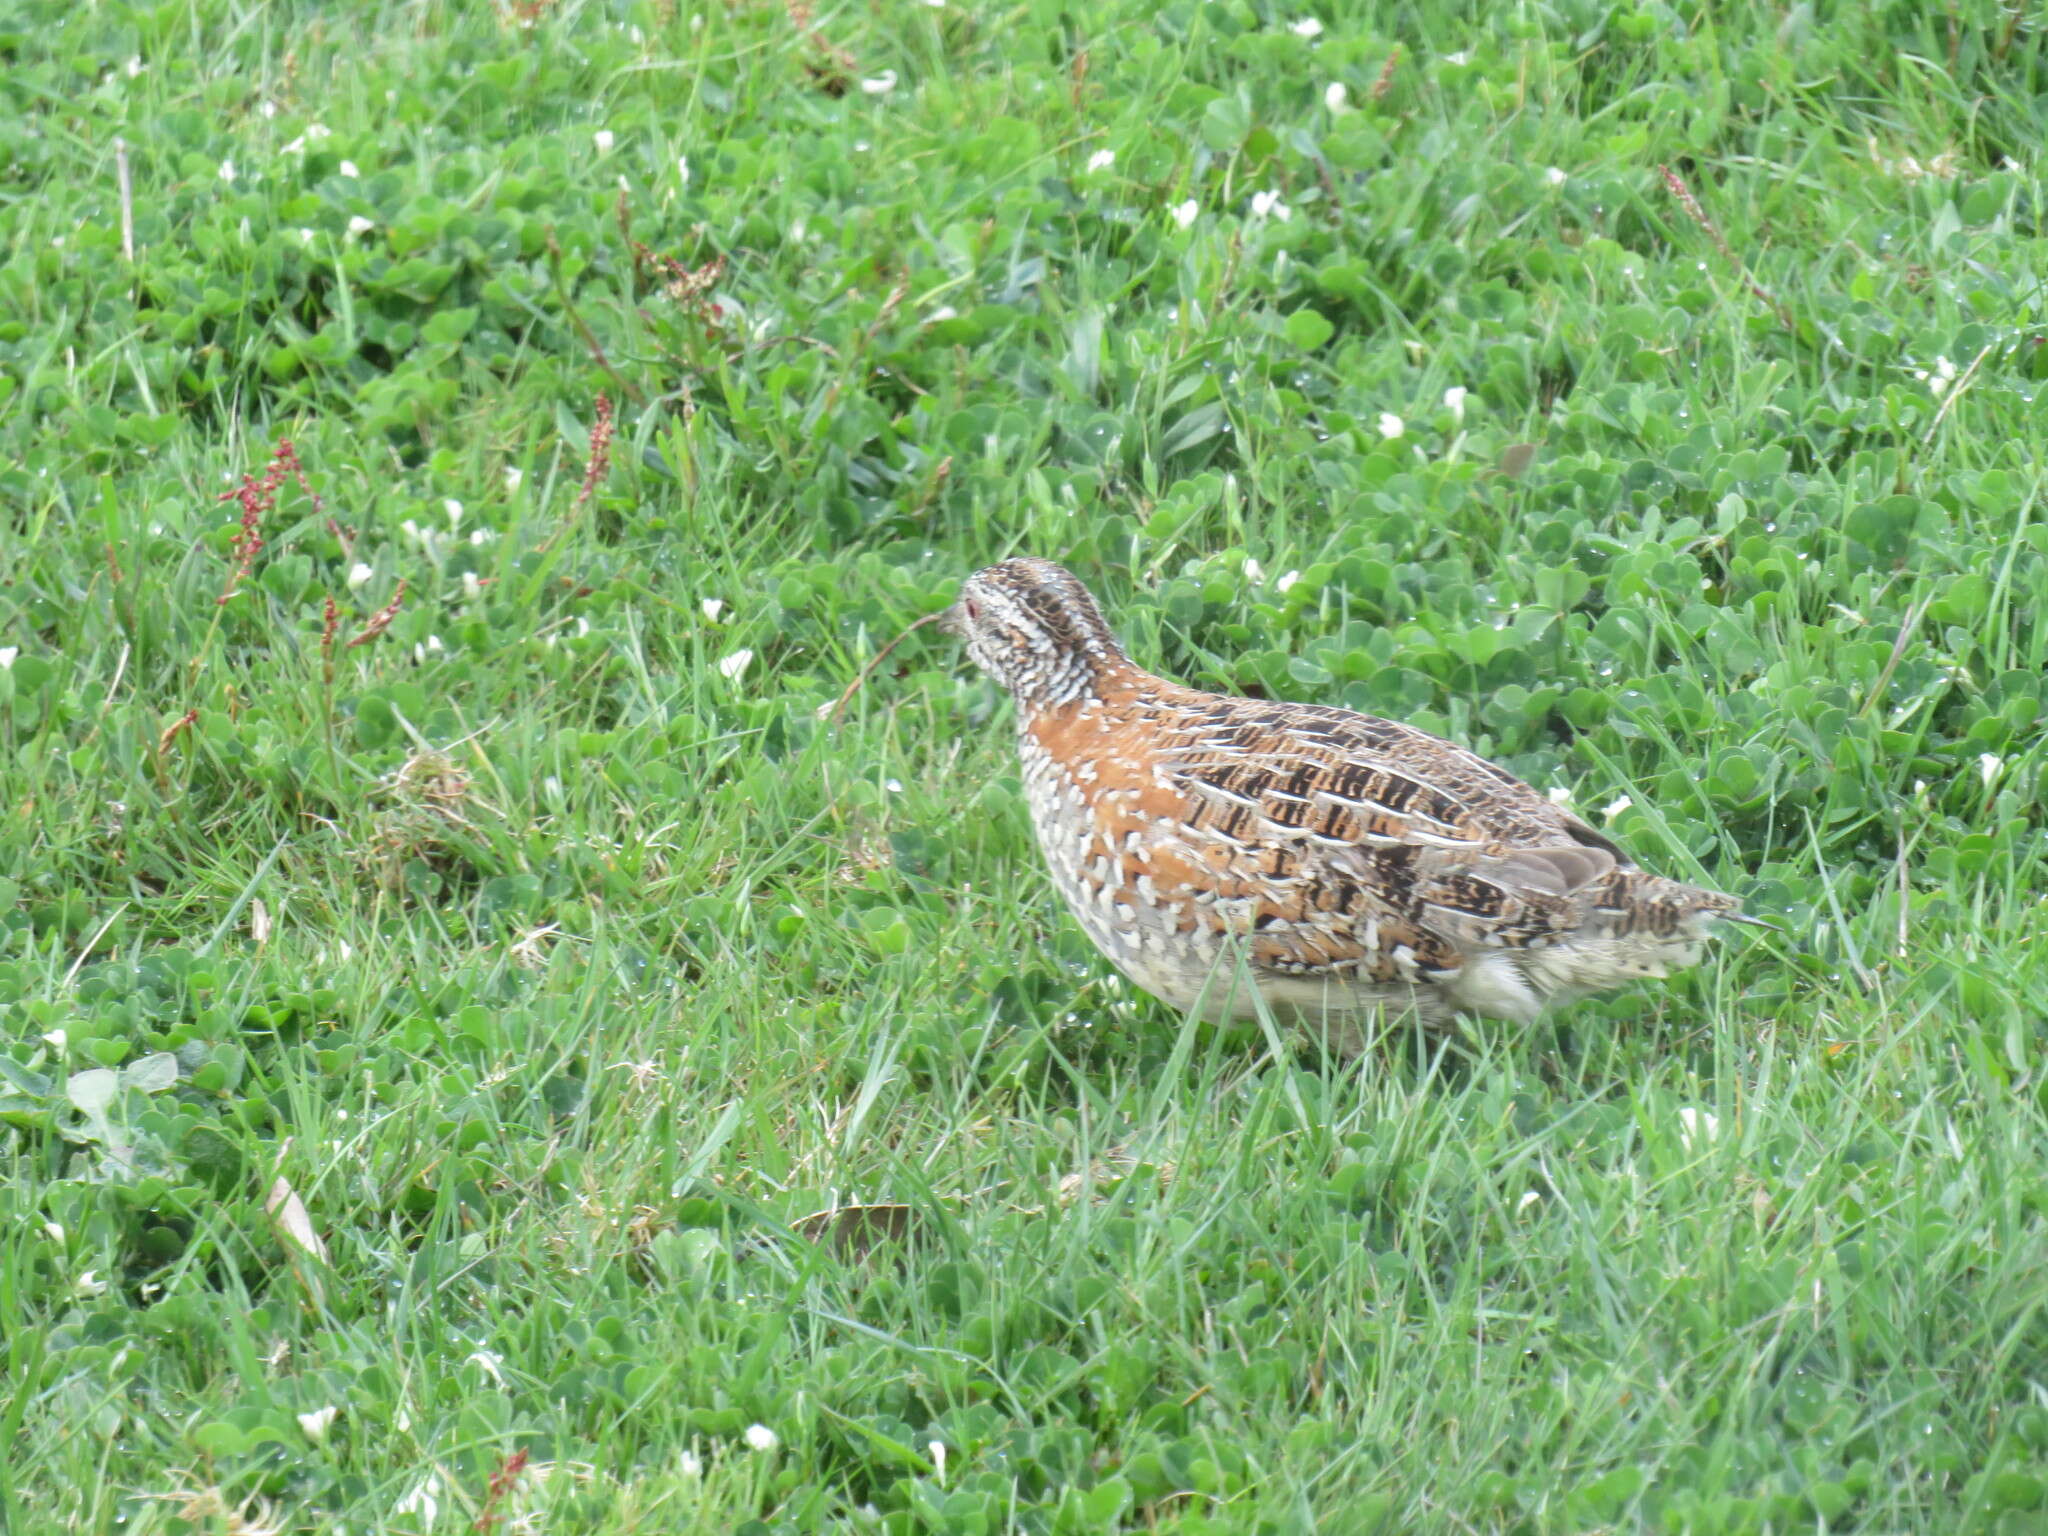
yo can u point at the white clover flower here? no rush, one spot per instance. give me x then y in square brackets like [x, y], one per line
[1308, 26]
[879, 85]
[7, 655]
[1391, 426]
[732, 666]
[1337, 97]
[1614, 808]
[268, 109]
[358, 225]
[314, 133]
[937, 1451]
[514, 477]
[472, 585]
[56, 1040]
[1184, 214]
[348, 169]
[424, 1500]
[318, 1422]
[305, 236]
[488, 1363]
[712, 607]
[480, 536]
[1988, 766]
[893, 786]
[1529, 1198]
[1101, 160]
[1454, 401]
[1268, 204]
[454, 510]
[1697, 1128]
[1560, 795]
[1944, 375]
[603, 140]
[1554, 176]
[134, 66]
[1287, 579]
[760, 1437]
[683, 169]
[89, 1284]
[690, 1465]
[227, 170]
[359, 575]
[1253, 571]
[1462, 56]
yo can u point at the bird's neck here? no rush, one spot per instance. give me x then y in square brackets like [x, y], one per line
[1073, 678]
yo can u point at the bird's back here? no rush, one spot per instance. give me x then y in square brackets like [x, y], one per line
[1356, 861]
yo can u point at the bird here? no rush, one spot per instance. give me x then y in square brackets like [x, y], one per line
[1225, 853]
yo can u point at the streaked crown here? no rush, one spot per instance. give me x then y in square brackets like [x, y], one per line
[1036, 630]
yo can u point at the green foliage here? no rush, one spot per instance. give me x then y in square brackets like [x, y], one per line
[445, 957]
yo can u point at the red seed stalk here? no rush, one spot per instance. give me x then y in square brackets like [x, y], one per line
[257, 498]
[380, 620]
[599, 463]
[1675, 185]
[500, 1485]
[174, 730]
[1385, 83]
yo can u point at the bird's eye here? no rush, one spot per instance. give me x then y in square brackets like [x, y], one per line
[973, 612]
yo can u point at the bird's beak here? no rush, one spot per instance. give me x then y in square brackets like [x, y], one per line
[953, 622]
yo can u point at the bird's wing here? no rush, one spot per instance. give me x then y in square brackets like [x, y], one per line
[1407, 830]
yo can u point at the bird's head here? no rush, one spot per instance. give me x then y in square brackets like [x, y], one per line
[1031, 626]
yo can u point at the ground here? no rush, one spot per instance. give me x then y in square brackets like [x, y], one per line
[450, 454]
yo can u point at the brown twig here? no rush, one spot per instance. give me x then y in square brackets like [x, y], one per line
[590, 341]
[832, 714]
[1903, 639]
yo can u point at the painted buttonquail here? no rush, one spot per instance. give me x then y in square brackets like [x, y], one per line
[1354, 864]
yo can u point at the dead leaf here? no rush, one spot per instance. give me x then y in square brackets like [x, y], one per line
[294, 1226]
[1516, 458]
[853, 1231]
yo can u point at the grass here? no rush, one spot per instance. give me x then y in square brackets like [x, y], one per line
[420, 1058]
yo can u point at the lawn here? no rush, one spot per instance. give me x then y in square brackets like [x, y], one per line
[479, 1052]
